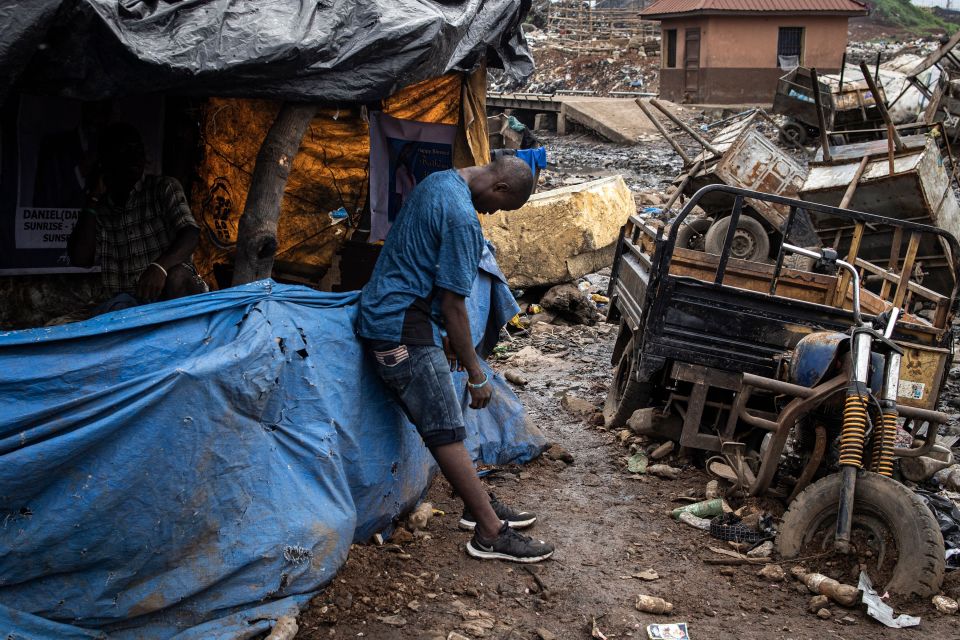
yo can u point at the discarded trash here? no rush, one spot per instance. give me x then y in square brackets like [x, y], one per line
[664, 471]
[840, 593]
[556, 452]
[339, 214]
[420, 517]
[534, 309]
[945, 605]
[637, 463]
[880, 610]
[948, 517]
[513, 376]
[673, 631]
[600, 299]
[653, 604]
[712, 490]
[705, 509]
[730, 528]
[595, 631]
[694, 521]
[285, 629]
[764, 550]
[773, 573]
[817, 603]
[662, 451]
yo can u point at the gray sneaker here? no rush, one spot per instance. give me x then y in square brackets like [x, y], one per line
[510, 545]
[516, 519]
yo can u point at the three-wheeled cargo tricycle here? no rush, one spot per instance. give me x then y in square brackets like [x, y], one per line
[799, 376]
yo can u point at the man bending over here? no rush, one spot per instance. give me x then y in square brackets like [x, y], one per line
[432, 254]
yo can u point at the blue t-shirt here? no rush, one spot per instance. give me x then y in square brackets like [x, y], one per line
[435, 243]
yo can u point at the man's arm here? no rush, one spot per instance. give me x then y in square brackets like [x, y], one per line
[457, 323]
[151, 282]
[82, 243]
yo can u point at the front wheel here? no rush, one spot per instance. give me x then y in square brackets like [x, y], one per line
[625, 394]
[894, 533]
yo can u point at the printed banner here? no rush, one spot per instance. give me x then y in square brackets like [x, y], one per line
[402, 153]
[49, 152]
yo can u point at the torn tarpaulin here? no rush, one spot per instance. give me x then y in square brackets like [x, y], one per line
[332, 51]
[947, 514]
[198, 467]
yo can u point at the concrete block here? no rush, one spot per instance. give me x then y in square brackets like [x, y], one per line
[560, 235]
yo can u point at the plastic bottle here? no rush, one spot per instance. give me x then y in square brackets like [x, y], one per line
[653, 604]
[705, 509]
[842, 594]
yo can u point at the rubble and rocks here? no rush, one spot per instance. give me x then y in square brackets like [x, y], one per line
[420, 517]
[577, 406]
[653, 604]
[664, 471]
[773, 573]
[556, 452]
[567, 301]
[817, 603]
[945, 605]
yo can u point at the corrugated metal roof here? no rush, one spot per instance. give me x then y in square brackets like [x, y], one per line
[674, 7]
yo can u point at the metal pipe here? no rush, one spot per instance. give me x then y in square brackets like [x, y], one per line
[881, 106]
[848, 489]
[778, 386]
[891, 323]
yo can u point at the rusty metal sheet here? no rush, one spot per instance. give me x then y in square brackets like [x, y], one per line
[753, 162]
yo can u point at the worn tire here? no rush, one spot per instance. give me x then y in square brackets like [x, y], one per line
[625, 394]
[692, 234]
[759, 240]
[921, 562]
[793, 131]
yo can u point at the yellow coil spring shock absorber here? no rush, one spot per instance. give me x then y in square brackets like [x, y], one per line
[854, 433]
[886, 435]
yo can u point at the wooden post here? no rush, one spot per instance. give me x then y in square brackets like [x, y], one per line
[663, 131]
[840, 296]
[683, 125]
[907, 269]
[881, 106]
[821, 119]
[257, 233]
[893, 261]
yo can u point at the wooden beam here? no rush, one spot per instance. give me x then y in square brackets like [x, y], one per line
[663, 131]
[881, 106]
[893, 261]
[683, 125]
[907, 269]
[821, 119]
[840, 295]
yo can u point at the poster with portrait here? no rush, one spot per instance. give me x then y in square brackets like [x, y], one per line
[48, 157]
[402, 153]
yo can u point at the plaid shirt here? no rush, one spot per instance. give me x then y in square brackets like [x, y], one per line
[133, 236]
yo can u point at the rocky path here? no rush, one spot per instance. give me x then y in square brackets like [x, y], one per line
[609, 528]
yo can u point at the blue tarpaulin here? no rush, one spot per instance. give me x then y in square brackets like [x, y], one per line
[197, 468]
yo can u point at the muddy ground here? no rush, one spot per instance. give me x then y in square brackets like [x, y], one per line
[607, 526]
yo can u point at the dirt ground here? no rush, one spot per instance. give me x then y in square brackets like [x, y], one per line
[607, 526]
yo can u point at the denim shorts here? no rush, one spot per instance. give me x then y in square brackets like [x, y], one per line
[420, 377]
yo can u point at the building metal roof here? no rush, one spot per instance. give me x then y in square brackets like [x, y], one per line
[669, 8]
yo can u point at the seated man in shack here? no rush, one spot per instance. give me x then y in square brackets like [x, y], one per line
[139, 226]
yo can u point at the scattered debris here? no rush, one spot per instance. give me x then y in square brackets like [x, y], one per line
[712, 490]
[880, 610]
[637, 463]
[694, 521]
[514, 376]
[393, 621]
[842, 594]
[653, 604]
[664, 471]
[556, 452]
[824, 614]
[945, 605]
[648, 575]
[673, 631]
[662, 451]
[577, 406]
[763, 550]
[705, 509]
[420, 517]
[595, 630]
[817, 603]
[284, 629]
[567, 301]
[773, 573]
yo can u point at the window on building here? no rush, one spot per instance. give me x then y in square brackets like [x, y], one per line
[671, 41]
[790, 47]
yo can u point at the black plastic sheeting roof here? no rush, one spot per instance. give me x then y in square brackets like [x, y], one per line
[320, 50]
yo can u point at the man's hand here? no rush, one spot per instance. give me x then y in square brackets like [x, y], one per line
[480, 397]
[150, 284]
[451, 355]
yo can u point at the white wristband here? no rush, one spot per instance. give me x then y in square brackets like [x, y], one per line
[162, 270]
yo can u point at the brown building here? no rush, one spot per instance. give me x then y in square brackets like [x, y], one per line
[733, 51]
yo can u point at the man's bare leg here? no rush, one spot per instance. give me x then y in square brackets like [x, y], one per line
[458, 469]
